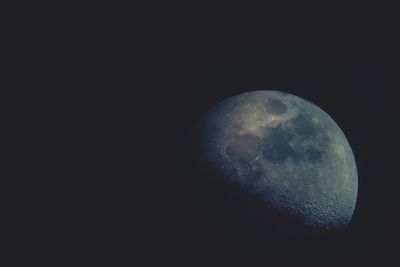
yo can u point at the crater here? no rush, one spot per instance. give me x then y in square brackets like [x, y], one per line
[275, 107]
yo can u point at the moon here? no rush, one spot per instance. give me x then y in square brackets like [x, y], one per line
[285, 152]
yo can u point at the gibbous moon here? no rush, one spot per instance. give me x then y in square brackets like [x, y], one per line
[285, 152]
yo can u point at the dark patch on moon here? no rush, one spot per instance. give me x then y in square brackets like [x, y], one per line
[276, 145]
[313, 154]
[276, 107]
[304, 126]
[243, 148]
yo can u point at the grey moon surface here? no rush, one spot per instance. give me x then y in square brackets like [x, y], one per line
[284, 151]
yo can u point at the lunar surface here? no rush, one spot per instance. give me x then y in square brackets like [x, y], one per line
[285, 152]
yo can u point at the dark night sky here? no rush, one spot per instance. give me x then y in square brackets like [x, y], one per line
[348, 70]
[135, 84]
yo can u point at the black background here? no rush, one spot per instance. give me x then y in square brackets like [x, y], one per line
[124, 87]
